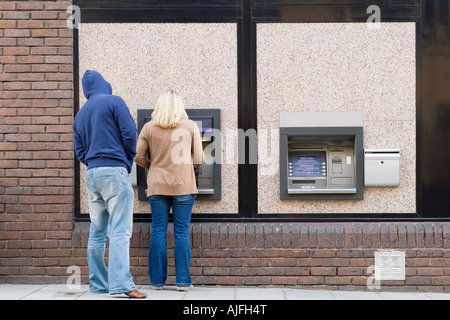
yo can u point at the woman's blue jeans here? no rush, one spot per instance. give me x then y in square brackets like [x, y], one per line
[157, 256]
[111, 211]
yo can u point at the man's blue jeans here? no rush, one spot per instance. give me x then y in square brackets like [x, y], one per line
[157, 256]
[111, 211]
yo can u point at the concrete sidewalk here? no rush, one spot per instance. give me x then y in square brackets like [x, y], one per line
[61, 292]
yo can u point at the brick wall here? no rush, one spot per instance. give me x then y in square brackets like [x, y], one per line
[36, 149]
[39, 240]
[310, 255]
[319, 255]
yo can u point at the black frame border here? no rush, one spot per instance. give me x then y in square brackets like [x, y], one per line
[247, 14]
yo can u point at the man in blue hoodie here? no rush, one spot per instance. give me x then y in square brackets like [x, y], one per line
[105, 137]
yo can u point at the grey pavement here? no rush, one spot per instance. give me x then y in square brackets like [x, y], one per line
[62, 292]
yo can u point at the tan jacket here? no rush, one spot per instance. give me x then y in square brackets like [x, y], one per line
[173, 153]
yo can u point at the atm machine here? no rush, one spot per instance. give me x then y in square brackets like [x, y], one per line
[209, 178]
[321, 156]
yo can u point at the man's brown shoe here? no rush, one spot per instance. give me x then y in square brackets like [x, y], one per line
[136, 294]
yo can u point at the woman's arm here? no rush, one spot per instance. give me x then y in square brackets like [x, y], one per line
[197, 148]
[141, 150]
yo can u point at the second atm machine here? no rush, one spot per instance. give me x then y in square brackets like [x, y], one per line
[321, 156]
[209, 179]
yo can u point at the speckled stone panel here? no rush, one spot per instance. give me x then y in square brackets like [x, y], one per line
[340, 67]
[141, 61]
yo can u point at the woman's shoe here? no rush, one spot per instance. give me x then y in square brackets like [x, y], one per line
[181, 288]
[158, 288]
[134, 294]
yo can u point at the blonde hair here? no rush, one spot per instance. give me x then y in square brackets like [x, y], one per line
[169, 110]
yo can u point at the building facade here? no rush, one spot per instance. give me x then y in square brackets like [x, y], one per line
[251, 61]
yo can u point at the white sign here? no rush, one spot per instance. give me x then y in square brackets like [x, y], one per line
[390, 265]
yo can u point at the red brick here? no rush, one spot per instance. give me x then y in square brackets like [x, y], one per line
[58, 59]
[60, 111]
[9, 199]
[31, 146]
[32, 164]
[7, 24]
[8, 77]
[8, 42]
[59, 235]
[16, 68]
[18, 208]
[45, 137]
[44, 33]
[59, 76]
[44, 68]
[59, 181]
[65, 68]
[31, 76]
[9, 235]
[32, 235]
[46, 190]
[59, 128]
[59, 94]
[17, 33]
[57, 5]
[46, 103]
[44, 244]
[32, 199]
[7, 5]
[31, 42]
[45, 85]
[44, 15]
[11, 86]
[19, 190]
[8, 164]
[17, 120]
[44, 51]
[18, 137]
[65, 33]
[56, 24]
[45, 155]
[59, 163]
[8, 129]
[320, 271]
[31, 95]
[57, 42]
[31, 129]
[16, 51]
[32, 182]
[30, 5]
[15, 15]
[30, 59]
[30, 24]
[7, 146]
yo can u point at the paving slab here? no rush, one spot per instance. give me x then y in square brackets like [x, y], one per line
[260, 294]
[62, 292]
[298, 294]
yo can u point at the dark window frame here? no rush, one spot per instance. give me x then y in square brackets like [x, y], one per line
[432, 188]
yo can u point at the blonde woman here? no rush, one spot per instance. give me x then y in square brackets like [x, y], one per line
[175, 147]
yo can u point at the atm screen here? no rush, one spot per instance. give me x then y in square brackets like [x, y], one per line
[306, 166]
[204, 123]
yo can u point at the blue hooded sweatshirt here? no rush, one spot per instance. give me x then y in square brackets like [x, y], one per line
[104, 131]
